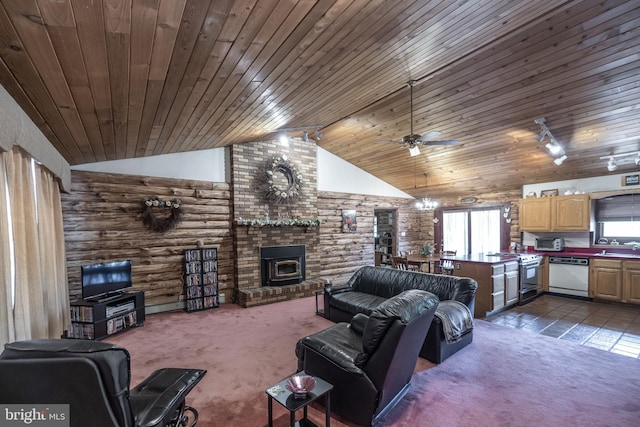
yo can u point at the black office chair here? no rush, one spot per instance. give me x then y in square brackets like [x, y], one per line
[93, 378]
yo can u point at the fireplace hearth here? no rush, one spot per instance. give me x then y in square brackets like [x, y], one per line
[282, 265]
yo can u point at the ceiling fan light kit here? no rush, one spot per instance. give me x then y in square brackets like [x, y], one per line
[555, 149]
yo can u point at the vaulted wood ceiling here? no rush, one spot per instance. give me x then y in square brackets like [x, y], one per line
[116, 79]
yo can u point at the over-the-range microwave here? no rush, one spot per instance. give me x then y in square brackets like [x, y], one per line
[549, 244]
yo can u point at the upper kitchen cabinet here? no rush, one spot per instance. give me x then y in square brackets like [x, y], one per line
[535, 214]
[556, 213]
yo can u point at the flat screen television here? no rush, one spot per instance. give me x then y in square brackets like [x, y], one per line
[106, 278]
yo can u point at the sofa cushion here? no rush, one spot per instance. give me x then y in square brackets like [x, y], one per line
[356, 302]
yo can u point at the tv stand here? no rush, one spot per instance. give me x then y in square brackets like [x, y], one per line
[105, 298]
[97, 319]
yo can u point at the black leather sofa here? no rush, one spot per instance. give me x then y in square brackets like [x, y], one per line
[370, 286]
[370, 360]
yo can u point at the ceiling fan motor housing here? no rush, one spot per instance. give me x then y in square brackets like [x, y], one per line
[410, 139]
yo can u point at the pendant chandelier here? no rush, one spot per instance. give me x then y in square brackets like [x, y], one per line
[426, 204]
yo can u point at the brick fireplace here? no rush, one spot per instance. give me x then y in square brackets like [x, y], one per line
[247, 163]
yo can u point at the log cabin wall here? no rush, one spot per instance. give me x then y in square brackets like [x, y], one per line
[344, 253]
[102, 222]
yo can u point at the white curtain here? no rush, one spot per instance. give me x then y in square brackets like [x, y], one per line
[34, 278]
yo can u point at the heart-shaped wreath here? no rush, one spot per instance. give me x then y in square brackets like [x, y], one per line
[154, 223]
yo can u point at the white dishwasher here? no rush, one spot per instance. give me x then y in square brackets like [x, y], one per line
[569, 275]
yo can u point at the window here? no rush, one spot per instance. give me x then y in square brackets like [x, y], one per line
[472, 230]
[618, 218]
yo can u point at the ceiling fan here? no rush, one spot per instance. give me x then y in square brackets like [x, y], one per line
[413, 141]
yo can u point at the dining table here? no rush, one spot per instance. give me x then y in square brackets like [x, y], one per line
[425, 263]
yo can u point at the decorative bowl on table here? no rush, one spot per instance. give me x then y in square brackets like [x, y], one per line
[300, 385]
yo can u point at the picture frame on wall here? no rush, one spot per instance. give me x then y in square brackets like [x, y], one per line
[349, 223]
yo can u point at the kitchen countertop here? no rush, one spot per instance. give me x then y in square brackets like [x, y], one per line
[481, 258]
[612, 253]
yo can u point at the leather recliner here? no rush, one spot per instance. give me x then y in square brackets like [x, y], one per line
[93, 377]
[370, 360]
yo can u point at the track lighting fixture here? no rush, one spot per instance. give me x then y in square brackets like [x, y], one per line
[560, 160]
[555, 149]
[616, 159]
[284, 133]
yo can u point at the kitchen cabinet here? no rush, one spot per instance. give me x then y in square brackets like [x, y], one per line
[535, 214]
[631, 282]
[556, 213]
[570, 213]
[497, 284]
[543, 275]
[615, 280]
[605, 279]
[511, 283]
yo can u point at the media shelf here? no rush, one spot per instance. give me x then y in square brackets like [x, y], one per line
[201, 279]
[95, 320]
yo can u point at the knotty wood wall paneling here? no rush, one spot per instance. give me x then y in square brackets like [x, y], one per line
[102, 222]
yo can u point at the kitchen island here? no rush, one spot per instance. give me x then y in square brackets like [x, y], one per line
[497, 277]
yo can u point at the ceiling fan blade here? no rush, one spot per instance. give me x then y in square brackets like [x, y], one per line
[430, 135]
[447, 142]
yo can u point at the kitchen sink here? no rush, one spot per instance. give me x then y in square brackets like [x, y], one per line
[618, 255]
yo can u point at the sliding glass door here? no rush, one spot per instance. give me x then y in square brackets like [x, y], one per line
[472, 230]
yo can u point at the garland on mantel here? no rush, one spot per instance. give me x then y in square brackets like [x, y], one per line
[279, 222]
[154, 223]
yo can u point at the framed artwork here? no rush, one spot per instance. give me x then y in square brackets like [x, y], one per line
[547, 193]
[349, 224]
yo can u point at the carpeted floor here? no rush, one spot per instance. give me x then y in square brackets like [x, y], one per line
[506, 377]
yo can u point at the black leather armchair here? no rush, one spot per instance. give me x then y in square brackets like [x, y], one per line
[93, 378]
[370, 360]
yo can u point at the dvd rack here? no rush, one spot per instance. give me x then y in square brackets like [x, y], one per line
[99, 319]
[201, 279]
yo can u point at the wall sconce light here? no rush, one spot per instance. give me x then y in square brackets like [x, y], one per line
[555, 149]
[284, 139]
[616, 159]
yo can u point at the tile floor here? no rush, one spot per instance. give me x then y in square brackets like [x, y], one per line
[607, 326]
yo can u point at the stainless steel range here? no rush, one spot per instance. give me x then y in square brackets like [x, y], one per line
[529, 276]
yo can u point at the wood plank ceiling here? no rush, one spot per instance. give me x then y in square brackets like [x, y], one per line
[117, 79]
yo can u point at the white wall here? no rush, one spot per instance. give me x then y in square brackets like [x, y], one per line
[607, 182]
[202, 165]
[338, 175]
[334, 173]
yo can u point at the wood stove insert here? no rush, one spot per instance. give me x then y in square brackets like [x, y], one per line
[282, 265]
